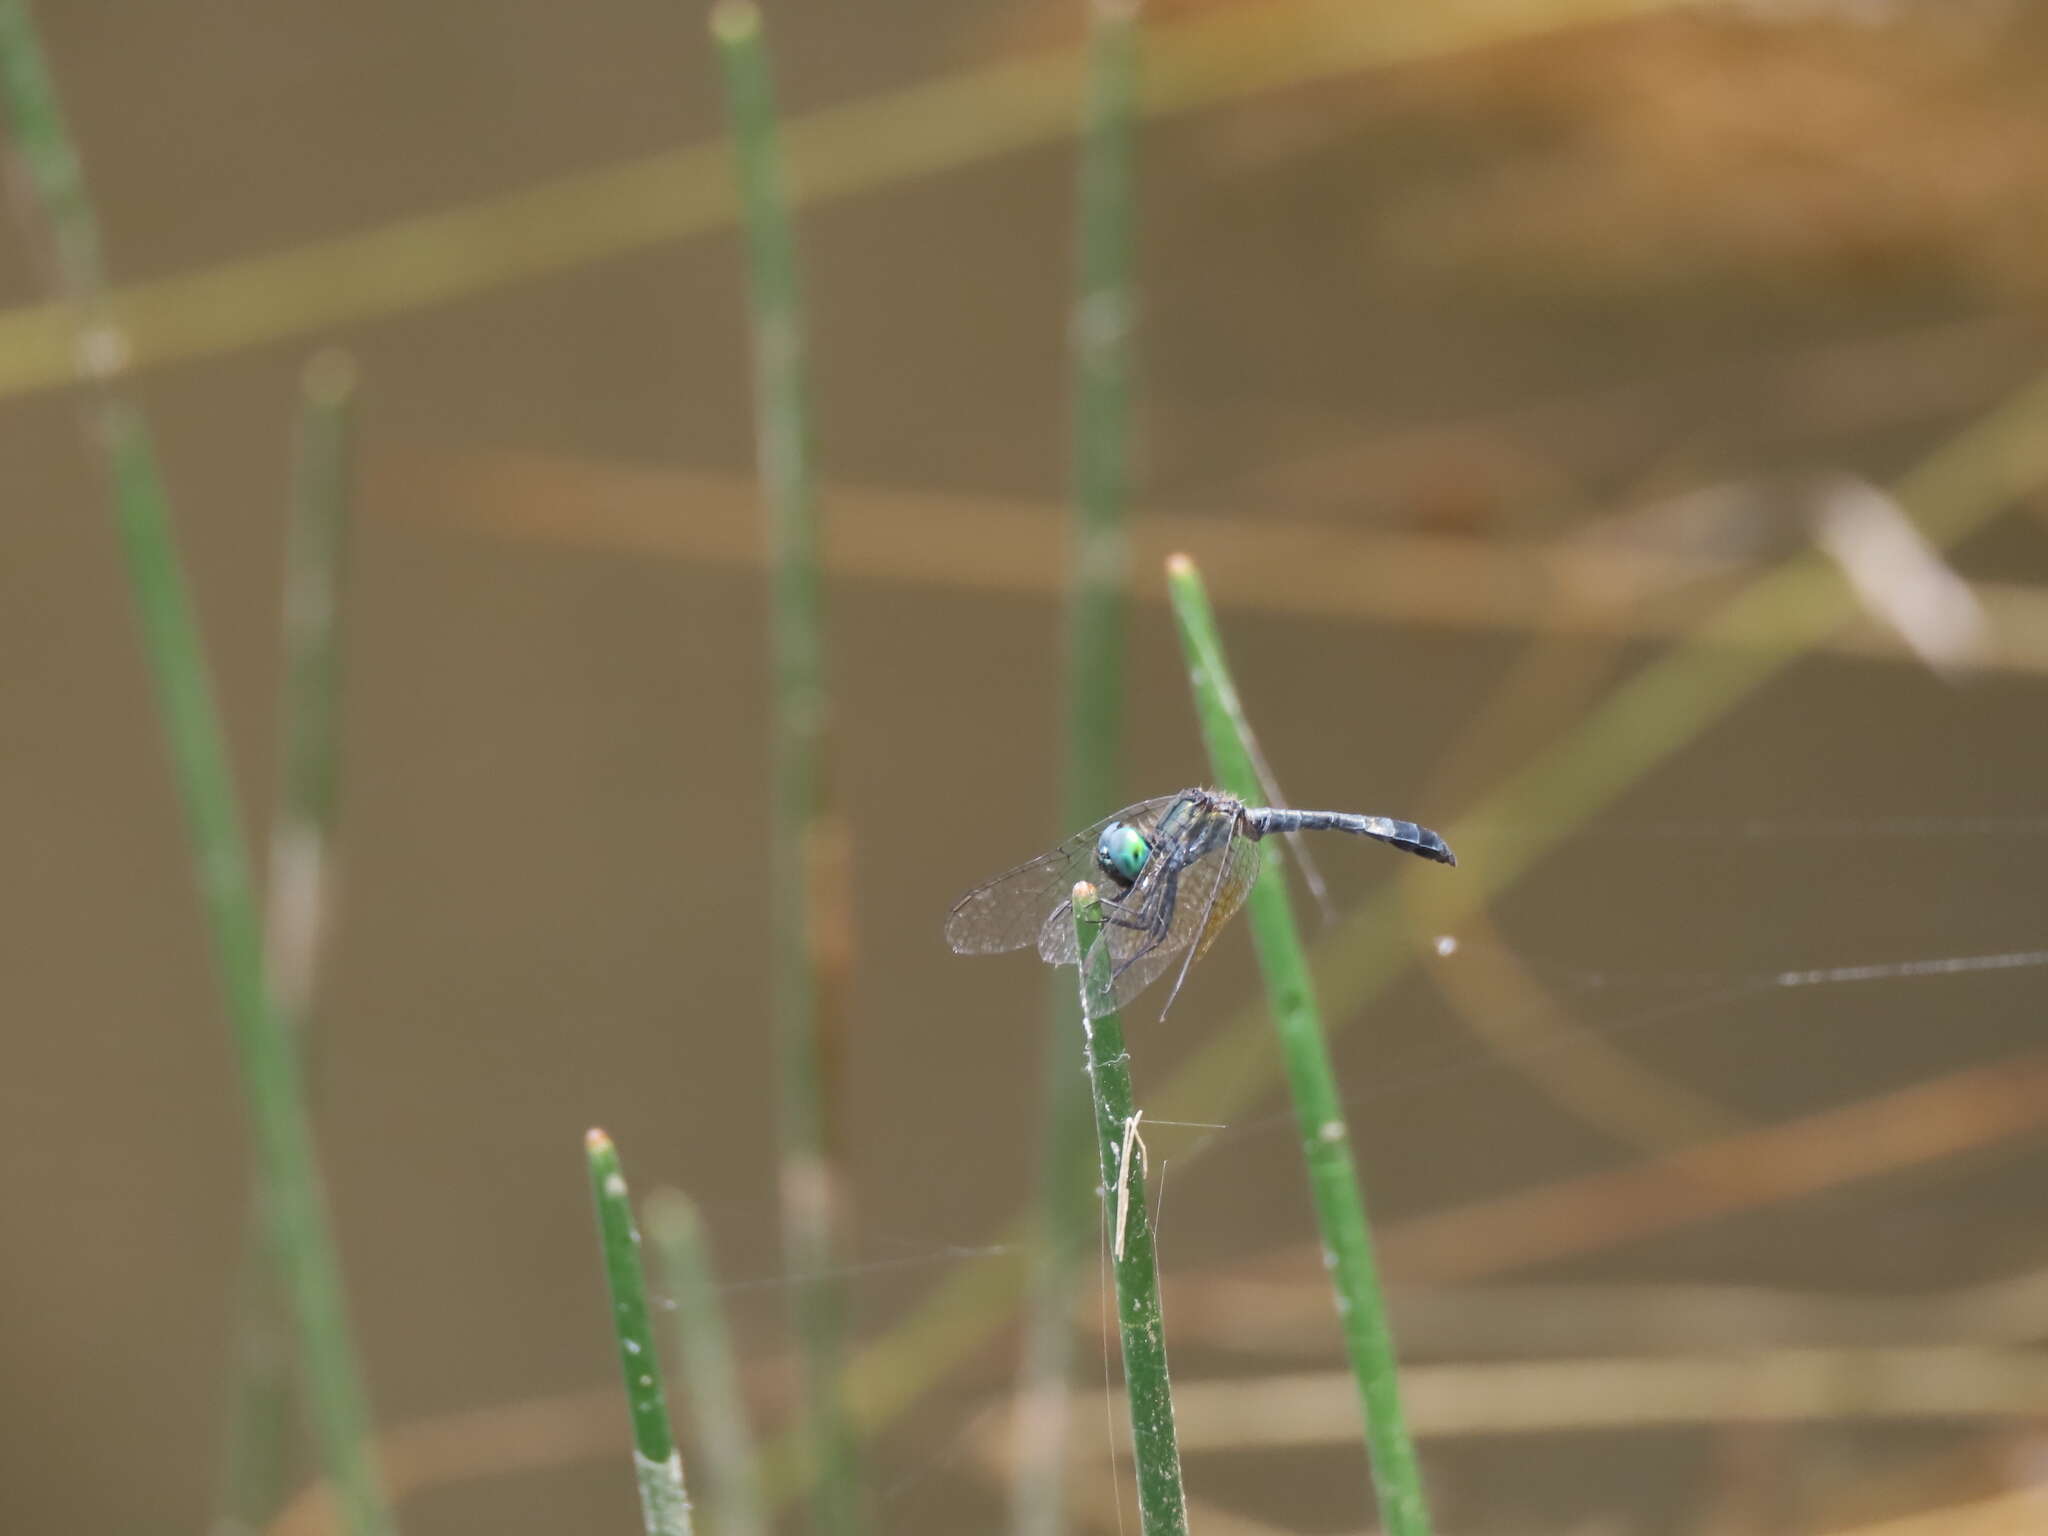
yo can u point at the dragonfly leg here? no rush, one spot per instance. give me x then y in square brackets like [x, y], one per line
[1160, 922]
[1121, 915]
[1196, 942]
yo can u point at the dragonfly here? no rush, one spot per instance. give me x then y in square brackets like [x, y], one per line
[1170, 871]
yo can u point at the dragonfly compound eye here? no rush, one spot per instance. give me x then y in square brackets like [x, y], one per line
[1121, 852]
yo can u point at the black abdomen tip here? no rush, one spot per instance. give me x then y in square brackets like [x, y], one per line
[1432, 846]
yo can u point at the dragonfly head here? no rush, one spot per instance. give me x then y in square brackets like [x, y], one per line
[1121, 852]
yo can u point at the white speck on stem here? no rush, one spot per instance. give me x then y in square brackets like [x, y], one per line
[297, 868]
[615, 1185]
[1101, 561]
[1100, 321]
[1331, 1130]
[780, 345]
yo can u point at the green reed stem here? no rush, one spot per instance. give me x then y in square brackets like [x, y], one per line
[664, 1503]
[1098, 578]
[297, 914]
[43, 141]
[1155, 1448]
[708, 1382]
[281, 1134]
[811, 1190]
[273, 1080]
[1099, 557]
[1318, 1106]
[257, 1439]
[309, 760]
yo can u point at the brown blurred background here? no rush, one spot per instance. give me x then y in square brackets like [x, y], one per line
[1482, 357]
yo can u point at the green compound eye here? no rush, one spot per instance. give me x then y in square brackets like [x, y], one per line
[1121, 852]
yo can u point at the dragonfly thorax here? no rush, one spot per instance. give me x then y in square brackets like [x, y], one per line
[1121, 852]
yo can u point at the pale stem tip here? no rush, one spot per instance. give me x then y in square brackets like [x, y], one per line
[331, 375]
[735, 20]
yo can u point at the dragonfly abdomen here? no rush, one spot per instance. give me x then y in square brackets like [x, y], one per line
[1406, 835]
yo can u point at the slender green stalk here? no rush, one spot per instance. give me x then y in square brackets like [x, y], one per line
[273, 1081]
[43, 141]
[801, 837]
[1318, 1106]
[728, 1466]
[1155, 1448]
[296, 921]
[1099, 559]
[1098, 578]
[282, 1137]
[257, 1441]
[664, 1503]
[309, 748]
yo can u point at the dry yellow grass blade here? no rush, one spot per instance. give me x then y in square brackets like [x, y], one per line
[1269, 1307]
[1935, 1118]
[557, 225]
[981, 543]
[1764, 1386]
[2023, 1512]
[1521, 1397]
[501, 1440]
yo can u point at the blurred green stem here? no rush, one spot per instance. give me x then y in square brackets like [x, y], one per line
[801, 838]
[286, 1164]
[272, 1077]
[728, 1466]
[664, 1504]
[1155, 1448]
[309, 756]
[1311, 1081]
[1097, 582]
[257, 1426]
[298, 909]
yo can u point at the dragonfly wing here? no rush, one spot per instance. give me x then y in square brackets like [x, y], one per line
[1127, 982]
[1233, 882]
[1056, 934]
[1014, 909]
[1311, 876]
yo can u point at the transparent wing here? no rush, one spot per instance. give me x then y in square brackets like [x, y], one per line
[1204, 898]
[1233, 706]
[1011, 910]
[1233, 883]
[1311, 876]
